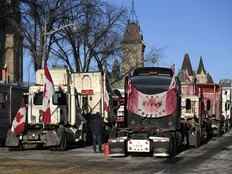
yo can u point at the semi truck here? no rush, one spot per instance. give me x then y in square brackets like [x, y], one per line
[200, 112]
[76, 97]
[67, 125]
[152, 114]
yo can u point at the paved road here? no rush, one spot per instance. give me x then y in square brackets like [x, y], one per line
[214, 157]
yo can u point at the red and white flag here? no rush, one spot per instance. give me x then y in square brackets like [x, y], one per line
[18, 124]
[106, 101]
[47, 95]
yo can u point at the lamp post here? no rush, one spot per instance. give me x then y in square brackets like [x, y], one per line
[50, 33]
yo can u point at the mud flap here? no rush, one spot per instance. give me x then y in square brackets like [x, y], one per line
[52, 139]
[11, 139]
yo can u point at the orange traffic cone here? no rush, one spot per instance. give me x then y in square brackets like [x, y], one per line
[106, 149]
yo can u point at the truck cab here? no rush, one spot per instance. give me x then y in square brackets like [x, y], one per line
[152, 114]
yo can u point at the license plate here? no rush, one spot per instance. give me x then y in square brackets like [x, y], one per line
[138, 146]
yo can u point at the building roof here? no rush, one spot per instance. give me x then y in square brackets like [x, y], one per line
[209, 78]
[132, 33]
[201, 68]
[186, 65]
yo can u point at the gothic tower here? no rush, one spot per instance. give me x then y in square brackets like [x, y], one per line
[201, 73]
[11, 42]
[186, 74]
[132, 45]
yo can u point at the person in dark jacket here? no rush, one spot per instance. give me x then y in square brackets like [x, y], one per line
[96, 126]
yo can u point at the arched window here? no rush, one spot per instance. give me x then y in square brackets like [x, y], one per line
[188, 105]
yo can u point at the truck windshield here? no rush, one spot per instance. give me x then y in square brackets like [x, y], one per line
[59, 98]
[38, 98]
[151, 84]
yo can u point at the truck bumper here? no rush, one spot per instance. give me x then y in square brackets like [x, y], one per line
[47, 138]
[117, 147]
[160, 146]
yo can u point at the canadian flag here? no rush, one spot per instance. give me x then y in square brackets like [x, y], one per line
[18, 124]
[47, 95]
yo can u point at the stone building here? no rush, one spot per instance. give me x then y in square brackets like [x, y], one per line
[11, 60]
[132, 44]
[187, 75]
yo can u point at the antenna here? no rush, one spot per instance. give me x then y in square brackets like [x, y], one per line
[133, 16]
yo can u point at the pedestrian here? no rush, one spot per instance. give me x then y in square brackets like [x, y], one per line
[96, 126]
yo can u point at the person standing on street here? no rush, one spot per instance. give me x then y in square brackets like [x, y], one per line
[96, 126]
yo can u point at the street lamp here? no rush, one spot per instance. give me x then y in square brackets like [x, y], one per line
[50, 33]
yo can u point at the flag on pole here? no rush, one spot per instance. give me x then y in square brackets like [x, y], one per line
[106, 99]
[47, 95]
[18, 124]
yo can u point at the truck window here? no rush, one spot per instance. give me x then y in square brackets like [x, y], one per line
[188, 105]
[38, 98]
[151, 84]
[59, 98]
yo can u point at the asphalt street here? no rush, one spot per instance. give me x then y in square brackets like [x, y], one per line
[211, 158]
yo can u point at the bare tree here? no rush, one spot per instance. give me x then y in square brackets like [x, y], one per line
[38, 18]
[153, 56]
[94, 39]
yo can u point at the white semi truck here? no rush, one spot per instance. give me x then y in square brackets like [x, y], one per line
[75, 94]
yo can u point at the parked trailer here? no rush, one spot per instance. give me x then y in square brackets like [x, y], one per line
[152, 114]
[94, 92]
[11, 96]
[95, 98]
